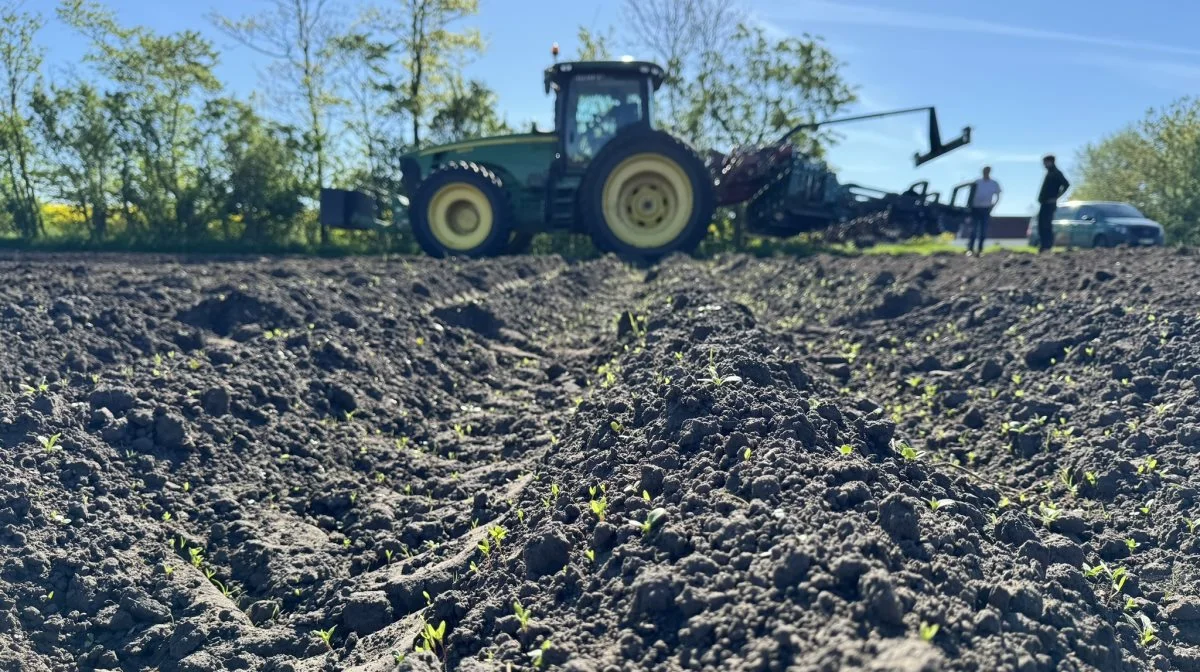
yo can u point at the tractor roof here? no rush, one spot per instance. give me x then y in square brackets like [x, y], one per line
[561, 72]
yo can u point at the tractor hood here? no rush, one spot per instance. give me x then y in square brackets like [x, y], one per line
[516, 159]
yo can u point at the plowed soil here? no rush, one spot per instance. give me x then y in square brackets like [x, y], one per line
[883, 464]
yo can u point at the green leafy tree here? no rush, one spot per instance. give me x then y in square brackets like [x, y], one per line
[469, 111]
[20, 63]
[1153, 164]
[299, 35]
[422, 36]
[759, 87]
[78, 126]
[160, 79]
[594, 45]
[256, 183]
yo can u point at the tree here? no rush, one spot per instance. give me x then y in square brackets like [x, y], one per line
[757, 88]
[679, 35]
[593, 46]
[78, 128]
[1154, 165]
[159, 80]
[299, 35]
[20, 62]
[468, 112]
[420, 34]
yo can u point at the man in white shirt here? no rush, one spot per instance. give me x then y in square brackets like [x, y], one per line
[985, 193]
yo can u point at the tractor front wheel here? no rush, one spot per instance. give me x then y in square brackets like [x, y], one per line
[647, 195]
[461, 210]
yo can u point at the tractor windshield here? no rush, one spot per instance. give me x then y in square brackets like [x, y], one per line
[597, 107]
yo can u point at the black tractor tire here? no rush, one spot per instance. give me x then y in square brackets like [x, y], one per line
[482, 190]
[664, 158]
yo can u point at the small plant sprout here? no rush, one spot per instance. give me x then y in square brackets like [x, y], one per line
[599, 507]
[49, 443]
[616, 427]
[1131, 544]
[1148, 633]
[1148, 465]
[1090, 477]
[428, 599]
[1130, 604]
[537, 656]
[520, 515]
[326, 636]
[431, 637]
[935, 503]
[168, 570]
[197, 556]
[1049, 513]
[497, 533]
[846, 449]
[1118, 576]
[485, 547]
[1004, 502]
[1068, 479]
[591, 555]
[1192, 524]
[1092, 572]
[653, 520]
[166, 516]
[929, 631]
[387, 553]
[909, 453]
[523, 615]
[747, 454]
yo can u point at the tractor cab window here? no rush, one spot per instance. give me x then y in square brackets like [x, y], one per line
[598, 106]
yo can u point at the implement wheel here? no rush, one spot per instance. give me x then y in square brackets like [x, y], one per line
[461, 210]
[647, 195]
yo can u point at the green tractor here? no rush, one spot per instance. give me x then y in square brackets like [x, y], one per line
[607, 172]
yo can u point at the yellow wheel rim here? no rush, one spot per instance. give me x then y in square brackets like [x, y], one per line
[460, 216]
[648, 201]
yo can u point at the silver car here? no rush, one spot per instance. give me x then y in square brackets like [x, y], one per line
[1099, 224]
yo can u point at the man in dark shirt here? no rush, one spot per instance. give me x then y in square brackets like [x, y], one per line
[1053, 187]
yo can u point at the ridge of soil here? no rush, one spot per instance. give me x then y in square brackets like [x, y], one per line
[873, 464]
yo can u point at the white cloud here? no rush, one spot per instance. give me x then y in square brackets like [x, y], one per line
[817, 11]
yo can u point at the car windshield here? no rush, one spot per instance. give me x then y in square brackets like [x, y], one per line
[1117, 210]
[1066, 212]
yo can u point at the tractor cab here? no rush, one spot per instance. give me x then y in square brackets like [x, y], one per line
[596, 100]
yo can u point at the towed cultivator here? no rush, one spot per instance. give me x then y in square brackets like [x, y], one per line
[787, 193]
[608, 172]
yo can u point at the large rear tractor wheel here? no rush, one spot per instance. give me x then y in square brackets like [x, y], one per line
[647, 195]
[461, 210]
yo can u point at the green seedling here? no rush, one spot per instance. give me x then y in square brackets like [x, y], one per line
[746, 454]
[591, 555]
[1148, 465]
[1130, 604]
[168, 570]
[1092, 572]
[428, 599]
[520, 515]
[1090, 477]
[929, 630]
[1049, 513]
[846, 449]
[1148, 633]
[1068, 479]
[485, 547]
[1192, 525]
[497, 533]
[599, 507]
[166, 517]
[197, 556]
[616, 427]
[49, 443]
[653, 520]
[909, 453]
[1004, 503]
[1119, 576]
[523, 615]
[431, 637]
[326, 636]
[935, 504]
[1131, 544]
[537, 656]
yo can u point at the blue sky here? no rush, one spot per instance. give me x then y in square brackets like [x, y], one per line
[1030, 76]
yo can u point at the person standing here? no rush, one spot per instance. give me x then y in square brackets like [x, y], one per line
[985, 193]
[1053, 187]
